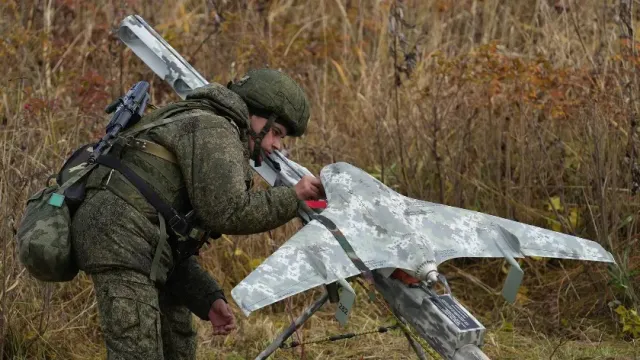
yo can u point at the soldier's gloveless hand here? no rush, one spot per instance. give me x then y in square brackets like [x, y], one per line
[309, 188]
[221, 317]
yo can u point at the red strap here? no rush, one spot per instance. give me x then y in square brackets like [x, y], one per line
[317, 204]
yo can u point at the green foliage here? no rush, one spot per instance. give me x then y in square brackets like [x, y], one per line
[630, 321]
[623, 277]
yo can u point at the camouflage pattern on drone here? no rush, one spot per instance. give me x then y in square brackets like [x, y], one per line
[389, 230]
[452, 332]
[145, 42]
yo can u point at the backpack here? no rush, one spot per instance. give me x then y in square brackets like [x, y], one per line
[44, 239]
[44, 234]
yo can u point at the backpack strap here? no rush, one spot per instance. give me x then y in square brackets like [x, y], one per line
[127, 138]
[176, 222]
[152, 148]
[162, 121]
[162, 239]
[57, 197]
[167, 215]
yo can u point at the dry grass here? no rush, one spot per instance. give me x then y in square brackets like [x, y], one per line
[478, 104]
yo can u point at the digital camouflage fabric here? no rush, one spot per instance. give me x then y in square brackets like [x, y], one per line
[387, 230]
[140, 322]
[115, 231]
[268, 91]
[44, 243]
[44, 236]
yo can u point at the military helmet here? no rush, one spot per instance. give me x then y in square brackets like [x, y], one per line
[269, 92]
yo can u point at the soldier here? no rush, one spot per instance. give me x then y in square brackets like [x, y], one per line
[145, 293]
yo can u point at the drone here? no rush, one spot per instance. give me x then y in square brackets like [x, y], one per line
[367, 230]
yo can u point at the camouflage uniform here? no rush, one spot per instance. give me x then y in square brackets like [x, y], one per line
[115, 231]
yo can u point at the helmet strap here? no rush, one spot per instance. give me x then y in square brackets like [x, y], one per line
[257, 139]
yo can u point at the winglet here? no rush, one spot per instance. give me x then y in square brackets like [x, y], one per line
[515, 275]
[514, 279]
[347, 298]
[347, 295]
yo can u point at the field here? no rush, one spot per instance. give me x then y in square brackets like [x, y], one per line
[526, 109]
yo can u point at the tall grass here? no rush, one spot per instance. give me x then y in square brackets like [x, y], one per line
[522, 109]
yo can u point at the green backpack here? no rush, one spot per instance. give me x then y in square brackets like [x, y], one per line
[44, 239]
[44, 234]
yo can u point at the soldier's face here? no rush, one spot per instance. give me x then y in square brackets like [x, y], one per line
[272, 140]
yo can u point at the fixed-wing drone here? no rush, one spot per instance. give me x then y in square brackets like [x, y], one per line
[368, 229]
[389, 231]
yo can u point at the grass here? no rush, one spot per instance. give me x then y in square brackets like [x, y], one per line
[525, 110]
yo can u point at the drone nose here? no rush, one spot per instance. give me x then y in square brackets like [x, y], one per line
[427, 271]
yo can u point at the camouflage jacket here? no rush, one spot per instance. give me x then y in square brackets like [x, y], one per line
[116, 227]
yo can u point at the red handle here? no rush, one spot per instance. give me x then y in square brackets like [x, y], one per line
[317, 204]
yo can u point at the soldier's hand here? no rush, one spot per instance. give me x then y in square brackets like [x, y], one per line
[309, 188]
[221, 317]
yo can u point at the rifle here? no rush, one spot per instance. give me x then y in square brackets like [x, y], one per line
[440, 320]
[128, 110]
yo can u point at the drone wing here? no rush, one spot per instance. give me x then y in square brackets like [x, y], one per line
[388, 230]
[306, 260]
[454, 233]
[313, 257]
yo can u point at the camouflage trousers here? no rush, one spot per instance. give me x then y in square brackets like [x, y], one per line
[139, 321]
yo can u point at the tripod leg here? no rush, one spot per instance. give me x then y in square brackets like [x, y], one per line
[416, 347]
[414, 344]
[306, 314]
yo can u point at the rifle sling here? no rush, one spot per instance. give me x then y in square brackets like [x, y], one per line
[176, 222]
